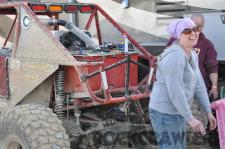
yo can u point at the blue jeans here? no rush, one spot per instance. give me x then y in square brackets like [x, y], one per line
[170, 130]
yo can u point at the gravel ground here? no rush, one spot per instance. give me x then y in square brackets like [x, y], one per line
[155, 147]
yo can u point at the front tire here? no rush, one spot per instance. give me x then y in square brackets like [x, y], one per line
[32, 127]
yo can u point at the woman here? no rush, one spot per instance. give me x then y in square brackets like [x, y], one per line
[178, 81]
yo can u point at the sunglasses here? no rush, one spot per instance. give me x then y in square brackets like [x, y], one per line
[200, 26]
[188, 31]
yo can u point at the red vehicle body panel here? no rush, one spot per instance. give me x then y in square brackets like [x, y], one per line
[3, 76]
[115, 76]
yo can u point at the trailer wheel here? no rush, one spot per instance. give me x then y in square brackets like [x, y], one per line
[32, 127]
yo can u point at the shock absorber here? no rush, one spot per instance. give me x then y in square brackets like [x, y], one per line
[59, 92]
[139, 109]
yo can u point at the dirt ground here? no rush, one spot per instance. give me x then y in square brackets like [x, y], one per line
[188, 147]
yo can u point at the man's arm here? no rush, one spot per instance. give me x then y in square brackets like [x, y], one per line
[211, 66]
[214, 79]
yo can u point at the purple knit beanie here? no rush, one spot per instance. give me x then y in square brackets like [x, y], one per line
[176, 28]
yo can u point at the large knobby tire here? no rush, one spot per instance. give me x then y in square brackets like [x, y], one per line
[32, 127]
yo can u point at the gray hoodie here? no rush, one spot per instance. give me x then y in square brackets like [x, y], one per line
[178, 81]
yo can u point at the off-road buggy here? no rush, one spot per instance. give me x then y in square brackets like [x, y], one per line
[64, 86]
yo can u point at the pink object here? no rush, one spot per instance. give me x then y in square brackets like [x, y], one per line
[3, 1]
[219, 106]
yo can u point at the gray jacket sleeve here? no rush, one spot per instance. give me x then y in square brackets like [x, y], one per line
[200, 94]
[173, 69]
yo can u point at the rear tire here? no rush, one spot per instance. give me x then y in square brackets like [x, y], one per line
[32, 127]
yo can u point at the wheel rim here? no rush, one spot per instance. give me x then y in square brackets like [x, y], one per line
[14, 145]
[13, 142]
